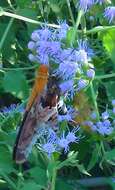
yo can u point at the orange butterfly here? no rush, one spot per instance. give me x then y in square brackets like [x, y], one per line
[41, 107]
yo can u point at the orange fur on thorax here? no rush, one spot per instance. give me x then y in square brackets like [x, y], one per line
[39, 84]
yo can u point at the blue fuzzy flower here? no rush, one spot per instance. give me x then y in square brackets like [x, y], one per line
[105, 115]
[85, 5]
[110, 13]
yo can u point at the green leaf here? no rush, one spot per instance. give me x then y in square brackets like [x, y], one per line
[15, 83]
[109, 88]
[6, 164]
[61, 184]
[31, 185]
[94, 158]
[39, 175]
[110, 155]
[109, 43]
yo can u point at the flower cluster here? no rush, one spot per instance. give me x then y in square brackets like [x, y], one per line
[106, 124]
[11, 109]
[50, 142]
[47, 47]
[109, 12]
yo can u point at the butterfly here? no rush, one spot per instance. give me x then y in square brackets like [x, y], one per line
[42, 108]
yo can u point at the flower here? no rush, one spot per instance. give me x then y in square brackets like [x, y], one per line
[85, 4]
[100, 1]
[31, 45]
[71, 136]
[31, 57]
[105, 115]
[113, 110]
[82, 84]
[81, 56]
[63, 143]
[63, 30]
[110, 13]
[49, 148]
[93, 115]
[90, 73]
[12, 108]
[67, 86]
[113, 103]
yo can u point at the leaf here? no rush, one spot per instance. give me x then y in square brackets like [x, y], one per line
[94, 158]
[31, 185]
[6, 164]
[15, 83]
[109, 43]
[109, 88]
[110, 155]
[82, 169]
[61, 184]
[39, 175]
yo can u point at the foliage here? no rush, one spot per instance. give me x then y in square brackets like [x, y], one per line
[93, 157]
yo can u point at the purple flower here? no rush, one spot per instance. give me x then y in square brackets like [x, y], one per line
[71, 136]
[90, 73]
[32, 58]
[88, 123]
[12, 108]
[67, 86]
[49, 148]
[67, 69]
[85, 4]
[82, 84]
[31, 45]
[93, 115]
[105, 115]
[35, 36]
[81, 56]
[110, 13]
[113, 110]
[45, 34]
[63, 143]
[100, 1]
[107, 123]
[113, 103]
[104, 128]
[63, 30]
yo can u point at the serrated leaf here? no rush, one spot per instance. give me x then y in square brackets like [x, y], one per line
[15, 83]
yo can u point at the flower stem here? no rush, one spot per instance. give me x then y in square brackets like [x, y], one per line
[53, 179]
[80, 13]
[104, 76]
[94, 99]
[6, 33]
[70, 12]
[19, 17]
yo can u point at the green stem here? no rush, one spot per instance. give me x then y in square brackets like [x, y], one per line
[100, 29]
[6, 33]
[53, 179]
[19, 17]
[70, 12]
[16, 69]
[80, 13]
[104, 76]
[94, 99]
